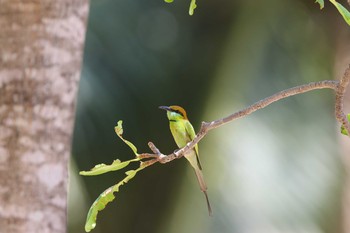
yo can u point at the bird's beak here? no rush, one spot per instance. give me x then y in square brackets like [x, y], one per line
[166, 108]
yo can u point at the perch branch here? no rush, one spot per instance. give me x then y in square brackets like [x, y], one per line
[338, 86]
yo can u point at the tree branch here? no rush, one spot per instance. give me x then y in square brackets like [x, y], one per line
[338, 86]
[339, 99]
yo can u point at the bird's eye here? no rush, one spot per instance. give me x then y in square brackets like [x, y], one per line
[178, 112]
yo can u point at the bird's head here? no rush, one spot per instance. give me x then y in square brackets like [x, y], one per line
[175, 112]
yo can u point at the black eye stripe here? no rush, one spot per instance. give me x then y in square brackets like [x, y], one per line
[177, 111]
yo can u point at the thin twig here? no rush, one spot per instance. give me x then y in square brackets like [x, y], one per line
[269, 100]
[149, 163]
[147, 156]
[154, 149]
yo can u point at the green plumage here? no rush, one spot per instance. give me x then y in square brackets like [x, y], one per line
[183, 132]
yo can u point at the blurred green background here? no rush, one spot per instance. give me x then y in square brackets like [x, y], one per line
[277, 170]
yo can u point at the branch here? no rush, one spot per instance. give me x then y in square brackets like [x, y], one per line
[339, 99]
[338, 86]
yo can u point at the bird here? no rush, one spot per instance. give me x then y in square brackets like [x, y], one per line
[183, 132]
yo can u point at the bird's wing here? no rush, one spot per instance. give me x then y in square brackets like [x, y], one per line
[191, 133]
[198, 169]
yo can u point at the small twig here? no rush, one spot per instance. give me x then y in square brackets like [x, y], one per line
[156, 157]
[154, 149]
[278, 96]
[147, 156]
[149, 162]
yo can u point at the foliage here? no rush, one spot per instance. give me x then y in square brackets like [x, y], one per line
[192, 6]
[108, 195]
[342, 10]
[343, 130]
[103, 168]
[321, 2]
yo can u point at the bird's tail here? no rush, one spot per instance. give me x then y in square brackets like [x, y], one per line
[203, 187]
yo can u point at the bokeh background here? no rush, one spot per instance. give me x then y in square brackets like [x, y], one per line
[280, 169]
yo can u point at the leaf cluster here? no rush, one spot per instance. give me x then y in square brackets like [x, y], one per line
[342, 10]
[107, 196]
[193, 6]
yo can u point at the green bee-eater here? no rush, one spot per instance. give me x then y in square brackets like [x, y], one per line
[183, 132]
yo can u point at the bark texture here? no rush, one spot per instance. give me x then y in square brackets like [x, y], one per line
[41, 44]
[343, 61]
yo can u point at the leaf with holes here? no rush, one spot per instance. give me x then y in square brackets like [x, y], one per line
[106, 197]
[103, 168]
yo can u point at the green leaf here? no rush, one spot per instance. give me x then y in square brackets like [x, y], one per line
[98, 205]
[342, 10]
[103, 168]
[192, 7]
[106, 197]
[168, 1]
[321, 2]
[119, 131]
[343, 130]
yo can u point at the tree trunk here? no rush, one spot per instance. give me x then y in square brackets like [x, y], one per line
[41, 46]
[342, 61]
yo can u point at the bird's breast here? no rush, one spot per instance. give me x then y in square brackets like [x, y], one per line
[178, 130]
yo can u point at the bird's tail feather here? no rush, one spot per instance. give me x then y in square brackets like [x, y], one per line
[203, 187]
[208, 203]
